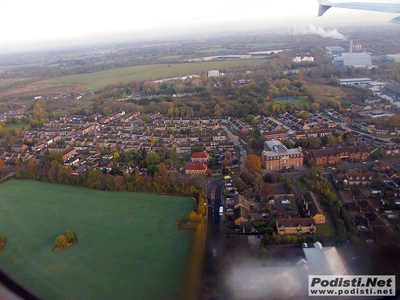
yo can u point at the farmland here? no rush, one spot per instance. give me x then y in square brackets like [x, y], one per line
[97, 81]
[127, 242]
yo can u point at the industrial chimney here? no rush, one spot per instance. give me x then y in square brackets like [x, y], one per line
[351, 46]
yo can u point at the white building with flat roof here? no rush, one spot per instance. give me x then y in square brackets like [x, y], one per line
[357, 60]
[213, 73]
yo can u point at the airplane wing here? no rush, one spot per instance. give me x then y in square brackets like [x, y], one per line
[324, 5]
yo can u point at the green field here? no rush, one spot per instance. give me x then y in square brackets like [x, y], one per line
[128, 246]
[297, 101]
[14, 126]
[97, 81]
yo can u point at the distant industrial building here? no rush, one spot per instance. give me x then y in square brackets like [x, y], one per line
[376, 114]
[355, 81]
[395, 58]
[357, 60]
[213, 73]
[277, 157]
[393, 90]
[335, 50]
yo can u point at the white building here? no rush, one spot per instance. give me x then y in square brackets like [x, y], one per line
[395, 58]
[213, 73]
[357, 60]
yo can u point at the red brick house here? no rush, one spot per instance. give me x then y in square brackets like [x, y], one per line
[200, 157]
[196, 169]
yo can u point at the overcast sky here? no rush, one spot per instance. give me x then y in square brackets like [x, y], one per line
[27, 24]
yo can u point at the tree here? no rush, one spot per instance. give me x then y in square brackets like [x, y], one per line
[252, 163]
[239, 184]
[314, 143]
[70, 236]
[61, 241]
[267, 189]
[153, 158]
[270, 178]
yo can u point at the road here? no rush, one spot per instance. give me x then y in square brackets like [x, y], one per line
[211, 287]
[236, 142]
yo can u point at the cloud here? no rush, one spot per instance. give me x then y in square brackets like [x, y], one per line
[318, 30]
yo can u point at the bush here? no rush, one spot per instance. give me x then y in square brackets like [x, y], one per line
[70, 236]
[61, 241]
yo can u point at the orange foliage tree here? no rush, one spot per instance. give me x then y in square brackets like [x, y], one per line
[252, 163]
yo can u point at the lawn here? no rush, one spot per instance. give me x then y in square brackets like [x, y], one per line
[325, 230]
[97, 81]
[297, 101]
[128, 246]
[14, 126]
[301, 185]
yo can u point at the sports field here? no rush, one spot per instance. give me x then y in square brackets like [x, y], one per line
[128, 246]
[97, 81]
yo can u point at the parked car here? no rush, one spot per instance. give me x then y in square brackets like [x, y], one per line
[280, 215]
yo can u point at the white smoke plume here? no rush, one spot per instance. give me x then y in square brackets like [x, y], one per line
[318, 30]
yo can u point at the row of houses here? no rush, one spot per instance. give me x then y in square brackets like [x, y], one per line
[332, 156]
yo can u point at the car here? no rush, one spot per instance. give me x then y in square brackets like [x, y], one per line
[353, 222]
[280, 214]
[370, 241]
[214, 252]
[304, 245]
[272, 202]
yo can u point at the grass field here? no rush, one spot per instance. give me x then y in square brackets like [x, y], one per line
[14, 126]
[128, 246]
[325, 230]
[97, 81]
[298, 101]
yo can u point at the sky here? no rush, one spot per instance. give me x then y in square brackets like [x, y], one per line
[34, 24]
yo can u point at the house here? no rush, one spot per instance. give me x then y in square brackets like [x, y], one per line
[360, 178]
[200, 157]
[381, 166]
[314, 209]
[241, 214]
[68, 153]
[296, 226]
[335, 155]
[194, 169]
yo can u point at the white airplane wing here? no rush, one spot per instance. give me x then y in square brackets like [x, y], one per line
[324, 5]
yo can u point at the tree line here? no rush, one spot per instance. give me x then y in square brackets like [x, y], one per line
[51, 169]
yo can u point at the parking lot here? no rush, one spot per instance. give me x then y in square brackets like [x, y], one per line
[281, 207]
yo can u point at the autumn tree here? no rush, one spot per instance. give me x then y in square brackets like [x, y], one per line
[61, 241]
[267, 189]
[252, 163]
